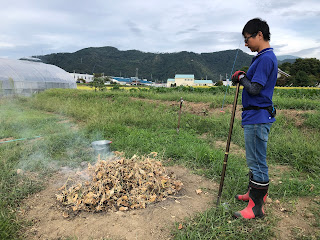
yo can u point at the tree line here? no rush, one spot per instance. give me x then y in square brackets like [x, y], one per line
[304, 72]
[157, 67]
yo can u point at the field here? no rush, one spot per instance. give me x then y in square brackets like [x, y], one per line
[51, 132]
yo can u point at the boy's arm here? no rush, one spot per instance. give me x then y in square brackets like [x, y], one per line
[253, 88]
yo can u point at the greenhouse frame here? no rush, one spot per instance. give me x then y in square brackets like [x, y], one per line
[21, 77]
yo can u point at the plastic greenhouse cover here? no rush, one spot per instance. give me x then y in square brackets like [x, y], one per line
[25, 77]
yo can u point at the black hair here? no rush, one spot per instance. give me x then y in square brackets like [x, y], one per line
[255, 25]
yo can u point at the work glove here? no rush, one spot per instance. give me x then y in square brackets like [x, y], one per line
[236, 77]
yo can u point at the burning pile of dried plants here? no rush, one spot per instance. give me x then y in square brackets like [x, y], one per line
[119, 185]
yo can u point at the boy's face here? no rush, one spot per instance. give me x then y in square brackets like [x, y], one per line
[252, 41]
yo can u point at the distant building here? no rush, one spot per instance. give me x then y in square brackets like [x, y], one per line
[131, 81]
[159, 84]
[78, 76]
[171, 82]
[187, 80]
[146, 82]
[203, 83]
[121, 80]
[227, 82]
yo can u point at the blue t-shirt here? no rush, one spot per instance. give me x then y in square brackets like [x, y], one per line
[263, 70]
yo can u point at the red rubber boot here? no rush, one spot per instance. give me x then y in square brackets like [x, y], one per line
[244, 197]
[257, 198]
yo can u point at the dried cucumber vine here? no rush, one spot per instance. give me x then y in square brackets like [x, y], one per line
[120, 185]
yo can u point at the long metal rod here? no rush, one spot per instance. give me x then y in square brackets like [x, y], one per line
[20, 139]
[228, 143]
[178, 127]
[234, 63]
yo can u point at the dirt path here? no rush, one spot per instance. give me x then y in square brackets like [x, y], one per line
[198, 108]
[154, 222]
[296, 219]
[205, 109]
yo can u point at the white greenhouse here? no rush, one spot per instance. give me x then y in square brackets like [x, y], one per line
[27, 77]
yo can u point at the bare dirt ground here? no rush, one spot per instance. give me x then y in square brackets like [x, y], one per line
[295, 219]
[205, 109]
[154, 222]
[295, 115]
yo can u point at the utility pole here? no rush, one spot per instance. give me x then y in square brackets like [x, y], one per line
[137, 70]
[93, 68]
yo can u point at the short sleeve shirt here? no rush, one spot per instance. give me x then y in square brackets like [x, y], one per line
[263, 70]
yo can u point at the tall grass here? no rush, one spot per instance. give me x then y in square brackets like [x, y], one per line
[136, 126]
[116, 116]
[56, 145]
[297, 98]
[139, 126]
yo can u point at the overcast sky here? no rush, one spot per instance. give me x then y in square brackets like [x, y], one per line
[38, 27]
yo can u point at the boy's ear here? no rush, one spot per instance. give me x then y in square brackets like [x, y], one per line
[260, 34]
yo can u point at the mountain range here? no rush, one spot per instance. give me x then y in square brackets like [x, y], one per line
[152, 66]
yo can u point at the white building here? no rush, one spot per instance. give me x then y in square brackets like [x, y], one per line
[86, 77]
[227, 83]
[187, 80]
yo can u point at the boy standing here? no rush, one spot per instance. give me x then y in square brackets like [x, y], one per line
[258, 113]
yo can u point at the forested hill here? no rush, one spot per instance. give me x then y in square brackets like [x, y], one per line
[153, 66]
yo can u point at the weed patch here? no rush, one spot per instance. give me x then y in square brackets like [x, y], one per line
[140, 127]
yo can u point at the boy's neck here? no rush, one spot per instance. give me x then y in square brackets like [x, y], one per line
[264, 45]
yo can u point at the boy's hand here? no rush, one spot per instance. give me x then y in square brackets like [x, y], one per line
[236, 77]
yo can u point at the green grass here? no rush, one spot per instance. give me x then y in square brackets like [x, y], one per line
[217, 223]
[56, 147]
[140, 127]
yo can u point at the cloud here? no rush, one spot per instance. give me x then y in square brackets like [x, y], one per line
[299, 13]
[279, 46]
[155, 26]
[188, 30]
[134, 28]
[274, 6]
[6, 45]
[308, 52]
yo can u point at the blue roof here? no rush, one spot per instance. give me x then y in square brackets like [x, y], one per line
[203, 81]
[121, 79]
[145, 82]
[129, 80]
[184, 76]
[170, 80]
